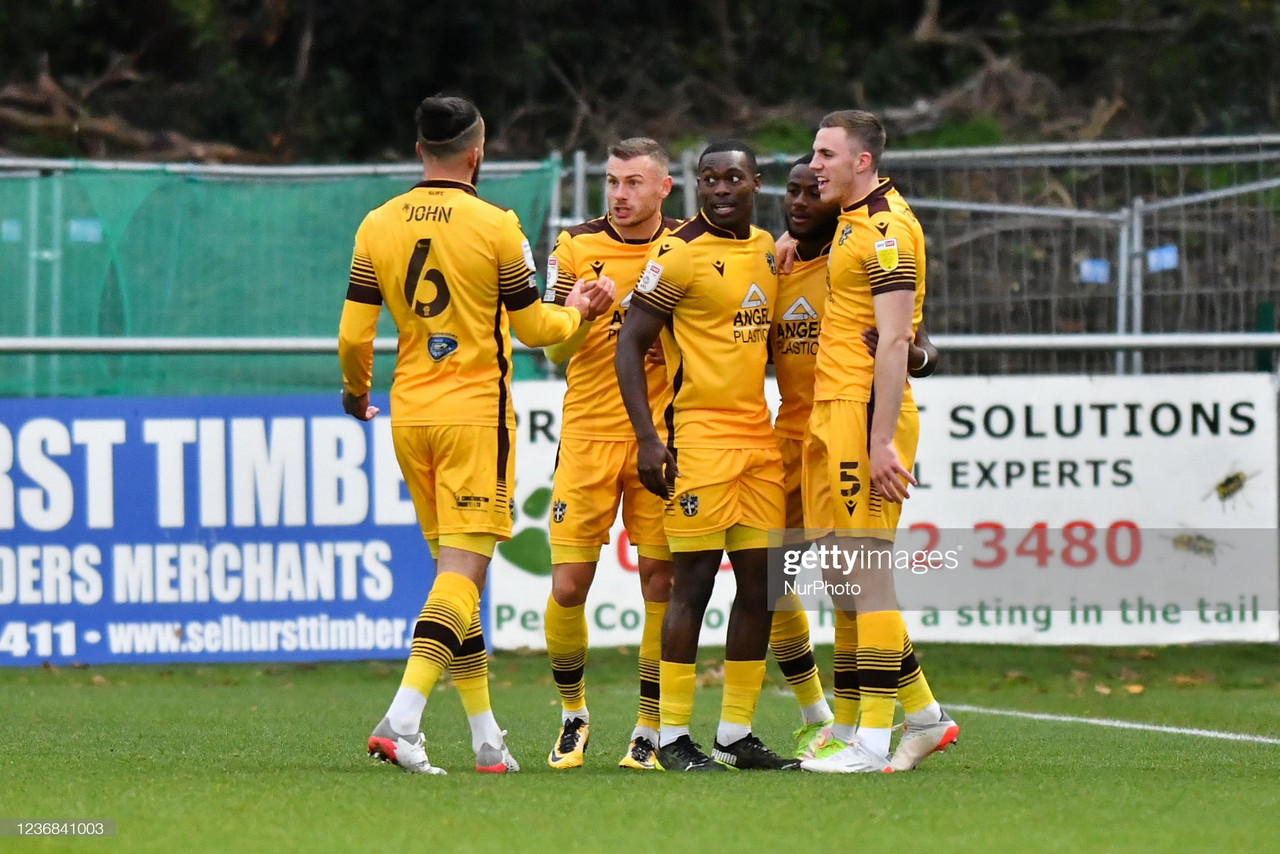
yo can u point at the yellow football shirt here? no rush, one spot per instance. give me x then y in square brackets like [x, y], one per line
[802, 295]
[718, 294]
[456, 273]
[592, 403]
[878, 247]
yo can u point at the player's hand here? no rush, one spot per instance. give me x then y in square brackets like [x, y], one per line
[888, 475]
[655, 356]
[786, 252]
[358, 407]
[871, 337]
[602, 296]
[657, 467]
[591, 297]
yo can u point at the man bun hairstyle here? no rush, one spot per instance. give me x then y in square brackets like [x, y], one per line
[731, 145]
[863, 125]
[447, 125]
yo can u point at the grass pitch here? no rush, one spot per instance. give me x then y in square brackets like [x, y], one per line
[271, 758]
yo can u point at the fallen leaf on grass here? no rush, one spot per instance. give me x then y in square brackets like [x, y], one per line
[1016, 676]
[1145, 654]
[1079, 675]
[100, 680]
[1103, 690]
[1134, 689]
[711, 676]
[1127, 675]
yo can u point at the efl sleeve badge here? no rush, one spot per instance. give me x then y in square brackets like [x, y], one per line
[887, 253]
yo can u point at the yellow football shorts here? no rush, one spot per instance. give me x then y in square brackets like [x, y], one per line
[461, 478]
[838, 495]
[725, 498]
[591, 479]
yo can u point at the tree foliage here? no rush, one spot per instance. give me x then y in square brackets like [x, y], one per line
[326, 80]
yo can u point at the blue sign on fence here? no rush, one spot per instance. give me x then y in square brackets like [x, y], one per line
[1095, 271]
[203, 529]
[84, 231]
[1162, 258]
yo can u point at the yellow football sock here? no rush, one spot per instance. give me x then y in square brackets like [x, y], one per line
[438, 633]
[845, 677]
[789, 640]
[470, 670]
[880, 641]
[742, 682]
[566, 631]
[913, 688]
[677, 683]
[650, 653]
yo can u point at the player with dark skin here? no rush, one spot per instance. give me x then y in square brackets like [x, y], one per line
[811, 225]
[726, 190]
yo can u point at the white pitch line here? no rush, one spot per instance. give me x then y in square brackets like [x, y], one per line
[1111, 722]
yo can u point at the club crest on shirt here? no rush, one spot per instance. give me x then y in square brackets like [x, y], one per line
[649, 281]
[887, 253]
[441, 345]
[689, 504]
[844, 232]
[773, 265]
[557, 510]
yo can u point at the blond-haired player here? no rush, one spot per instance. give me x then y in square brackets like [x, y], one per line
[861, 438]
[596, 460]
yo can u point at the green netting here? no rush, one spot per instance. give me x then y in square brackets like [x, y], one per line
[152, 253]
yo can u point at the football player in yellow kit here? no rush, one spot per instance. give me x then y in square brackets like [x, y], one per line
[596, 460]
[456, 274]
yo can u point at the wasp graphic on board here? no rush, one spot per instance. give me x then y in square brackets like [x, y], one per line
[1229, 487]
[1198, 545]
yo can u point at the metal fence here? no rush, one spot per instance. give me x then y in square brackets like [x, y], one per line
[1169, 245]
[1162, 235]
